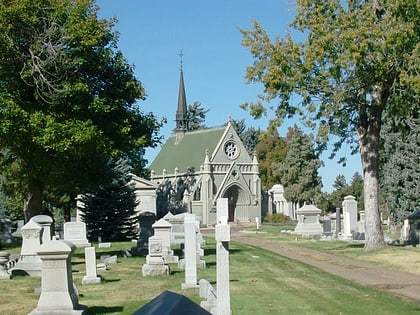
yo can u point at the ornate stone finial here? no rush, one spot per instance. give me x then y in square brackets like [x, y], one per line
[176, 171]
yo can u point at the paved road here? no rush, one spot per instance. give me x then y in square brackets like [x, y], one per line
[399, 283]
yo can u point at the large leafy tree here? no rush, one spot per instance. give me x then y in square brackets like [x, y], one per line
[271, 148]
[299, 171]
[359, 59]
[68, 97]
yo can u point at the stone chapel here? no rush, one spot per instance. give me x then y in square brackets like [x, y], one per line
[209, 163]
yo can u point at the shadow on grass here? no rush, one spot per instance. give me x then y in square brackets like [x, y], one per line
[104, 310]
[212, 251]
[104, 280]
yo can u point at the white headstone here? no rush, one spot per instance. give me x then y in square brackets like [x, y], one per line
[75, 232]
[29, 262]
[350, 215]
[90, 262]
[222, 262]
[190, 250]
[58, 293]
[162, 229]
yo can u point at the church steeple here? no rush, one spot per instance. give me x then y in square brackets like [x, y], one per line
[181, 122]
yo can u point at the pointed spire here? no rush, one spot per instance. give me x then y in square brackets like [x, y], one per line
[181, 123]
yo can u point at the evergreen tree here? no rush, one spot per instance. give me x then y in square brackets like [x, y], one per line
[196, 116]
[249, 136]
[299, 171]
[400, 172]
[110, 211]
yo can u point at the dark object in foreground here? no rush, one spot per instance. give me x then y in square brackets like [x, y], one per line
[170, 303]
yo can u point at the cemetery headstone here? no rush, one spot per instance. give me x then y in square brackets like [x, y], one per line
[222, 236]
[190, 252]
[350, 215]
[7, 236]
[326, 225]
[155, 265]
[308, 221]
[45, 222]
[90, 262]
[75, 232]
[4, 258]
[58, 293]
[208, 293]
[162, 229]
[29, 262]
[146, 221]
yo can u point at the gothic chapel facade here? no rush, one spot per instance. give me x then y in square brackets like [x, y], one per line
[210, 163]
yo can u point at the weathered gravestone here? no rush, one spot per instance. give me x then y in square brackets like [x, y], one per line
[162, 229]
[58, 293]
[75, 232]
[170, 303]
[326, 226]
[90, 262]
[155, 265]
[29, 262]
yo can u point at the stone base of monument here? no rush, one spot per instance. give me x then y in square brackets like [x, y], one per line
[201, 264]
[169, 257]
[29, 267]
[91, 280]
[155, 266]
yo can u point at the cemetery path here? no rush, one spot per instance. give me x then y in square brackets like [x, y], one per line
[400, 283]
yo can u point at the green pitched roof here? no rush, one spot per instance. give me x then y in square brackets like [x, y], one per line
[189, 152]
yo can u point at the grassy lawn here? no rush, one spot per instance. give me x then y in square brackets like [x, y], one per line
[403, 258]
[261, 282]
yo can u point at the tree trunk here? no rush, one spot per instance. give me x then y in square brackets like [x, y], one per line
[369, 152]
[32, 204]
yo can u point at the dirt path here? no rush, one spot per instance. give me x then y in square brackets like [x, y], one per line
[399, 283]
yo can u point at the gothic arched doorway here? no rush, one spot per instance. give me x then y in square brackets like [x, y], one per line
[232, 194]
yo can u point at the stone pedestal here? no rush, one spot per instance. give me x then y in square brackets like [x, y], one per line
[162, 229]
[58, 294]
[155, 265]
[29, 262]
[308, 221]
[350, 215]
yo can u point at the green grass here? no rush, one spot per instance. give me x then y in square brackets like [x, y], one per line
[261, 282]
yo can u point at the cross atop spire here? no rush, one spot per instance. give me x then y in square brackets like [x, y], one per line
[181, 54]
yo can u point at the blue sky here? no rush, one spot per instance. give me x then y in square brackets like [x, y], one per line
[152, 33]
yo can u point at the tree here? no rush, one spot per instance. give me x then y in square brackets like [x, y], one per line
[400, 174]
[358, 61]
[68, 98]
[271, 149]
[195, 116]
[109, 213]
[356, 188]
[249, 136]
[299, 171]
